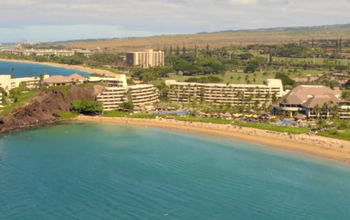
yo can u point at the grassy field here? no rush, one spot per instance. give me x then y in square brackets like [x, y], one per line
[204, 120]
[271, 127]
[22, 100]
[129, 115]
[344, 135]
[66, 115]
[257, 77]
[218, 39]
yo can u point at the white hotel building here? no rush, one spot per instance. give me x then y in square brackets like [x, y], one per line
[145, 59]
[8, 83]
[118, 92]
[235, 94]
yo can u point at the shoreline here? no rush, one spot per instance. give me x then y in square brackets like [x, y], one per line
[78, 67]
[324, 147]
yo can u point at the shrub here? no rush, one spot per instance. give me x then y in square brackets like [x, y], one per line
[127, 106]
[87, 107]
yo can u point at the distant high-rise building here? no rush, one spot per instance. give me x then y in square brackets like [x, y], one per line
[145, 59]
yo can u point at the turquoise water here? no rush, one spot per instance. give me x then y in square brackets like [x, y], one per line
[94, 171]
[29, 69]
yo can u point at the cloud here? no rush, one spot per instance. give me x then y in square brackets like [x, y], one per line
[166, 16]
[243, 2]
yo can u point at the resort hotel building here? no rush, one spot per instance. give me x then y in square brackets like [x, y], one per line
[116, 92]
[59, 80]
[234, 94]
[143, 94]
[48, 52]
[8, 83]
[145, 59]
[315, 102]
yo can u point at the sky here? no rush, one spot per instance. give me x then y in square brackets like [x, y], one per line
[59, 20]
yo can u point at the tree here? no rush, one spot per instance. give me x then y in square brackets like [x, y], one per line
[184, 49]
[253, 65]
[346, 94]
[286, 80]
[127, 106]
[246, 56]
[85, 106]
[341, 67]
[317, 110]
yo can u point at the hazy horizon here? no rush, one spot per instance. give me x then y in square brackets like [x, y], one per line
[43, 21]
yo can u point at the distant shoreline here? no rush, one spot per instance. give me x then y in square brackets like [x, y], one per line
[78, 67]
[308, 144]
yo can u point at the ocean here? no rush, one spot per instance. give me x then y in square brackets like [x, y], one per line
[18, 69]
[106, 171]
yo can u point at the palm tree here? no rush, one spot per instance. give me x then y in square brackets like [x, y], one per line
[317, 110]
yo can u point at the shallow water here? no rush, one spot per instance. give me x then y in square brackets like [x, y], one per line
[102, 171]
[18, 69]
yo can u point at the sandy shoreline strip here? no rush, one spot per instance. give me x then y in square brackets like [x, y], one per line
[78, 67]
[309, 144]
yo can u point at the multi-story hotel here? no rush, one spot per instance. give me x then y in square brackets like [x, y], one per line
[235, 94]
[117, 92]
[143, 94]
[48, 52]
[139, 95]
[116, 81]
[145, 59]
[112, 97]
[8, 83]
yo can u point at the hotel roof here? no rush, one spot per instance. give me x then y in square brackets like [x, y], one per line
[311, 95]
[65, 79]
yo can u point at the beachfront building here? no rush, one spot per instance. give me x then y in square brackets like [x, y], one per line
[216, 93]
[48, 52]
[314, 102]
[115, 81]
[344, 110]
[59, 80]
[143, 94]
[112, 97]
[117, 92]
[145, 59]
[7, 82]
[1, 105]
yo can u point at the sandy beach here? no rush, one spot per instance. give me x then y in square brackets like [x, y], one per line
[78, 67]
[309, 144]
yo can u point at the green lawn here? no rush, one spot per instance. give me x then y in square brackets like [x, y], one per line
[126, 114]
[114, 114]
[344, 135]
[258, 77]
[271, 127]
[142, 115]
[204, 120]
[66, 115]
[22, 100]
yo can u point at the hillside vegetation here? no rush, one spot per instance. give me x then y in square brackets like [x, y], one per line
[217, 39]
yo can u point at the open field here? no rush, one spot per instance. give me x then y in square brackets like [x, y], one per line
[218, 39]
[254, 78]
